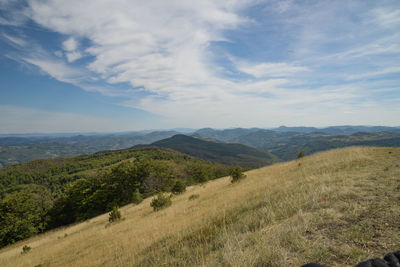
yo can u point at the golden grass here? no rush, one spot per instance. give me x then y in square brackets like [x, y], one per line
[335, 208]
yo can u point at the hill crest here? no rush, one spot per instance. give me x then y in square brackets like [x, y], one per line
[225, 153]
[336, 208]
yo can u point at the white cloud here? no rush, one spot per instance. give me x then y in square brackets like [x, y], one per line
[15, 40]
[383, 46]
[58, 53]
[270, 69]
[71, 50]
[158, 45]
[386, 17]
[371, 74]
[70, 45]
[79, 77]
[58, 70]
[72, 56]
[164, 49]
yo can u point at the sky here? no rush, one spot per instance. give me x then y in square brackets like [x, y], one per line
[124, 65]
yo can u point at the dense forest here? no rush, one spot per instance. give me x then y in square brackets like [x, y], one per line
[40, 195]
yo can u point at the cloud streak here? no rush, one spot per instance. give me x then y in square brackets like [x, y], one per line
[163, 53]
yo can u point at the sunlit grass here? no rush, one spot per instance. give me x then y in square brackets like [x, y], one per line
[336, 208]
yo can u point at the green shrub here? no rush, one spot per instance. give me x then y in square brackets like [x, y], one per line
[301, 154]
[237, 174]
[160, 202]
[115, 215]
[194, 196]
[25, 249]
[179, 187]
[137, 197]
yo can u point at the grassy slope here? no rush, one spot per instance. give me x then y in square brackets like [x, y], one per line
[336, 208]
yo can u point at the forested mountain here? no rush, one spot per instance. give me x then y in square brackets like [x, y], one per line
[22, 148]
[287, 142]
[339, 130]
[225, 135]
[225, 153]
[287, 145]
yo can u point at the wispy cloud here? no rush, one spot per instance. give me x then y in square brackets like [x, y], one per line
[270, 69]
[162, 53]
[58, 70]
[386, 17]
[385, 71]
[15, 40]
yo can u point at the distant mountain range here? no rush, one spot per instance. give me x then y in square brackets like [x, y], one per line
[346, 130]
[287, 145]
[283, 142]
[224, 153]
[16, 149]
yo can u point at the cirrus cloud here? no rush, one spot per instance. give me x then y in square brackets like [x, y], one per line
[161, 57]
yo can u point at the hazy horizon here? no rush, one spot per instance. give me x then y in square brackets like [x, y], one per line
[182, 130]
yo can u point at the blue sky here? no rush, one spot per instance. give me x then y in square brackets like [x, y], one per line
[96, 66]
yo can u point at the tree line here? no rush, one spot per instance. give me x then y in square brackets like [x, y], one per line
[45, 195]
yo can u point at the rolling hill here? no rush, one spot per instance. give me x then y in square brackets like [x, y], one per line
[335, 208]
[40, 195]
[229, 154]
[287, 145]
[284, 142]
[17, 149]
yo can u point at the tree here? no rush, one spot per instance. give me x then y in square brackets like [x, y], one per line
[200, 172]
[160, 202]
[20, 217]
[137, 197]
[237, 174]
[115, 215]
[301, 154]
[179, 187]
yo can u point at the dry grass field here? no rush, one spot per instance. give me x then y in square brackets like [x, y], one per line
[334, 208]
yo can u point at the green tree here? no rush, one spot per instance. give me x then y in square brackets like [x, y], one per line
[20, 217]
[114, 215]
[200, 172]
[300, 155]
[137, 197]
[237, 174]
[160, 202]
[179, 187]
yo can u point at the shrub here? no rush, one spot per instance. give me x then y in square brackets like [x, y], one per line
[194, 196]
[25, 249]
[237, 174]
[301, 154]
[179, 187]
[115, 215]
[137, 197]
[160, 202]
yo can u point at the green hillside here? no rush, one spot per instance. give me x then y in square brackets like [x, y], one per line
[39, 195]
[230, 154]
[336, 208]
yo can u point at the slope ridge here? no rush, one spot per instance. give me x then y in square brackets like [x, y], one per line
[335, 208]
[225, 153]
